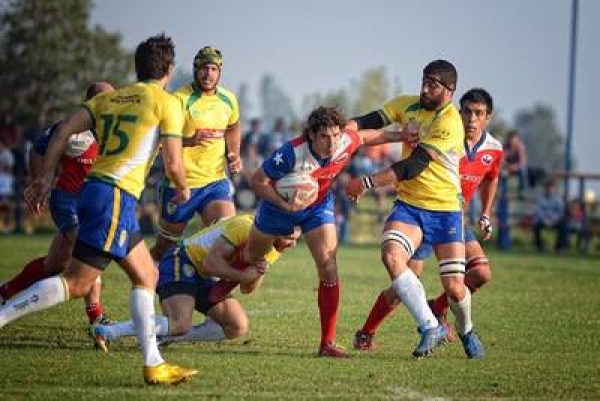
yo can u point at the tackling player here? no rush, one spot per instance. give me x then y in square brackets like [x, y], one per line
[211, 146]
[189, 281]
[322, 151]
[132, 122]
[429, 204]
[75, 164]
[479, 168]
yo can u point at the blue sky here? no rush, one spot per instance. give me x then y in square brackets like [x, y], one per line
[517, 49]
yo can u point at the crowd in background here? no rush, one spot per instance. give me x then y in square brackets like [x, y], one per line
[259, 142]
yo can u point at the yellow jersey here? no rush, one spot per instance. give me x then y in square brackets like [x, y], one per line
[207, 117]
[437, 188]
[234, 230]
[129, 123]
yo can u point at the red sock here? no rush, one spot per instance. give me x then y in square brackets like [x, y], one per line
[32, 272]
[328, 300]
[379, 312]
[94, 311]
[440, 304]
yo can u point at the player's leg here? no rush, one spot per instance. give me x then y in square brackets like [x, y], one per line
[217, 202]
[172, 222]
[75, 282]
[176, 289]
[400, 234]
[451, 261]
[64, 215]
[386, 303]
[140, 268]
[322, 243]
[269, 223]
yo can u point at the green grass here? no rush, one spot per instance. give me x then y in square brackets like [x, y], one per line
[538, 320]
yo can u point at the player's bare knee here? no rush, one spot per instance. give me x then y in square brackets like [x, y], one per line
[237, 328]
[328, 270]
[79, 286]
[478, 272]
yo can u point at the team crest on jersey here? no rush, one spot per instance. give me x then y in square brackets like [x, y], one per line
[188, 270]
[122, 237]
[171, 207]
[487, 159]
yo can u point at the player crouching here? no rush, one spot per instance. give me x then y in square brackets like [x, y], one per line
[198, 275]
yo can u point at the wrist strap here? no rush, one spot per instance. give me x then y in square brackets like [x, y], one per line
[368, 182]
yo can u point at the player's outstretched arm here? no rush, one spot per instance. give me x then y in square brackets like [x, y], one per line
[216, 263]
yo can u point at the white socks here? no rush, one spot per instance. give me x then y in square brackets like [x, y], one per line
[411, 292]
[462, 313]
[127, 329]
[39, 296]
[209, 330]
[142, 314]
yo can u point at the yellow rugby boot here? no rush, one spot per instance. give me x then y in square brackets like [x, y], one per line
[165, 373]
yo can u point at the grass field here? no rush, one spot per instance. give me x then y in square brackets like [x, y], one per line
[538, 319]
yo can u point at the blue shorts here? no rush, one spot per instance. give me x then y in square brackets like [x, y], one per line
[200, 198]
[63, 209]
[107, 218]
[177, 275]
[437, 227]
[272, 220]
[425, 250]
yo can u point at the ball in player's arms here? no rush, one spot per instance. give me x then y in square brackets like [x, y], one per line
[297, 184]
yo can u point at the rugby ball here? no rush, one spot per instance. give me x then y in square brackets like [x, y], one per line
[302, 183]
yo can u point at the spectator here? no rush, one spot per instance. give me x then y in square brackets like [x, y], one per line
[515, 159]
[574, 222]
[549, 211]
[251, 137]
[270, 141]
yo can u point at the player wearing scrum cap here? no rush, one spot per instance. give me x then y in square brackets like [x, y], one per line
[212, 136]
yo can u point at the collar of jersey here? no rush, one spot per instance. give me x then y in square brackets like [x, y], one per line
[471, 154]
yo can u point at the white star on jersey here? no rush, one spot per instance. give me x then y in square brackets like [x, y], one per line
[278, 159]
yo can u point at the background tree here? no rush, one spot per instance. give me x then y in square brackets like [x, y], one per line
[275, 102]
[49, 54]
[373, 90]
[543, 138]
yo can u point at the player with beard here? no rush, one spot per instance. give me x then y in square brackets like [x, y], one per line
[428, 208]
[212, 136]
[479, 170]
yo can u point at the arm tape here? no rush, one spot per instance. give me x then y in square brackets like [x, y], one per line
[413, 165]
[372, 120]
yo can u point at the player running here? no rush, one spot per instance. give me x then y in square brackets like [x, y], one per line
[132, 122]
[322, 151]
[479, 168]
[197, 275]
[75, 164]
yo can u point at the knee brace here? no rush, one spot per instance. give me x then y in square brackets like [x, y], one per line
[452, 267]
[398, 238]
[476, 261]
